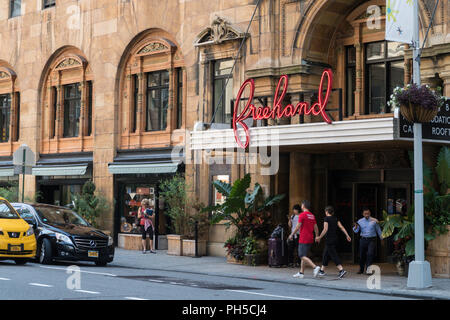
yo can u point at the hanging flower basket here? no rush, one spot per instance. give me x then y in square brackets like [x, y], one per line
[417, 113]
[417, 104]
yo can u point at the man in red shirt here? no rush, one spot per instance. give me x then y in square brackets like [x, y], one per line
[307, 226]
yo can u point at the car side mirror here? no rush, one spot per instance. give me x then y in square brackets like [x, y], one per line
[31, 222]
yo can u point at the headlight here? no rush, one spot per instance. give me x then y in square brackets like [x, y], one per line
[63, 238]
[110, 241]
[30, 231]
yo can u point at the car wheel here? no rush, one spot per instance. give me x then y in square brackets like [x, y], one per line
[101, 263]
[20, 262]
[45, 252]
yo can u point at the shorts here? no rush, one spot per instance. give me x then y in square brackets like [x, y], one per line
[303, 249]
[149, 231]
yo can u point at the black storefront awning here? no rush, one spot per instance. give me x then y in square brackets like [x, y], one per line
[6, 167]
[151, 161]
[70, 164]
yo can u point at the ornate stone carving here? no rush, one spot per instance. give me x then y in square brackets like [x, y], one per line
[153, 47]
[67, 63]
[4, 75]
[220, 31]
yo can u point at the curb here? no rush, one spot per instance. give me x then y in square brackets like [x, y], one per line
[390, 292]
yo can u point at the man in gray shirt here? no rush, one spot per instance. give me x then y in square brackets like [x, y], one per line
[369, 229]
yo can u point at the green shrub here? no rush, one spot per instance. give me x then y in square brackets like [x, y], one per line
[89, 204]
[10, 193]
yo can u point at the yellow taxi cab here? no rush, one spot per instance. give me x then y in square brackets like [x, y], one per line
[17, 240]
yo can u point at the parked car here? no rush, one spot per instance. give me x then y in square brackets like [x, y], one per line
[62, 234]
[17, 241]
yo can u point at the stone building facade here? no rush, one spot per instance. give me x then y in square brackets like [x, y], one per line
[107, 89]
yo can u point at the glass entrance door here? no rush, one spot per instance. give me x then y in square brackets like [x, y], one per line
[368, 196]
[379, 198]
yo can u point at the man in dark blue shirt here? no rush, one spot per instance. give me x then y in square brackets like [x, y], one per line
[369, 229]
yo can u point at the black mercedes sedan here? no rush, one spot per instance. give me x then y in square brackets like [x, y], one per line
[62, 234]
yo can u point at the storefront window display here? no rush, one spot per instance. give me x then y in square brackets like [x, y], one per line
[133, 196]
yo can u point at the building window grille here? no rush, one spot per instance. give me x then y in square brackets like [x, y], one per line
[157, 100]
[179, 97]
[135, 103]
[89, 106]
[384, 65]
[17, 137]
[49, 3]
[15, 8]
[350, 83]
[72, 109]
[5, 116]
[222, 102]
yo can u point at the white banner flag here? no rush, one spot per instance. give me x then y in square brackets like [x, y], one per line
[399, 20]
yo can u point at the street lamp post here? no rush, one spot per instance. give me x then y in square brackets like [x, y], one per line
[419, 275]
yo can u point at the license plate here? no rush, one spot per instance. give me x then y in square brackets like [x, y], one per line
[15, 248]
[93, 254]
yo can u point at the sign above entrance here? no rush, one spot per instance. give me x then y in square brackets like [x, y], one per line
[277, 111]
[438, 130]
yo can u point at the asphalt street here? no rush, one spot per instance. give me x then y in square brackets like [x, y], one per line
[57, 282]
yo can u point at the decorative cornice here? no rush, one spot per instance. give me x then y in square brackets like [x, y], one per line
[153, 47]
[219, 31]
[68, 63]
[436, 50]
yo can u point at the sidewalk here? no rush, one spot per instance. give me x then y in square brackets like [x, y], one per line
[391, 283]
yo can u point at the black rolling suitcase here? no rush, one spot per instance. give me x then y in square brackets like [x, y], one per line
[277, 251]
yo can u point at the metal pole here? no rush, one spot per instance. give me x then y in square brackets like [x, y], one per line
[419, 275]
[196, 238]
[23, 173]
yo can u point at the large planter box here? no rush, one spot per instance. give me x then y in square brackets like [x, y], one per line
[175, 244]
[189, 248]
[129, 241]
[254, 259]
[232, 260]
[438, 254]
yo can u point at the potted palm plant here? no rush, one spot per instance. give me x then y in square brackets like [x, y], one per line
[401, 228]
[252, 252]
[417, 104]
[247, 211]
[198, 219]
[437, 217]
[173, 191]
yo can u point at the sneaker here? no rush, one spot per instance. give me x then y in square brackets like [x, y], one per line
[144, 251]
[322, 273]
[298, 275]
[342, 274]
[316, 271]
[152, 251]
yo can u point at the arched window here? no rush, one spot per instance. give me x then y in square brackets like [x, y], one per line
[67, 105]
[9, 109]
[152, 94]
[371, 67]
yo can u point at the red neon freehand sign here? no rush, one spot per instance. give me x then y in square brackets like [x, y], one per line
[264, 113]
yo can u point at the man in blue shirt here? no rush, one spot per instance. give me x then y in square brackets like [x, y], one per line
[369, 229]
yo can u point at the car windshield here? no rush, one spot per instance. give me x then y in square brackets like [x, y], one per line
[59, 216]
[7, 212]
